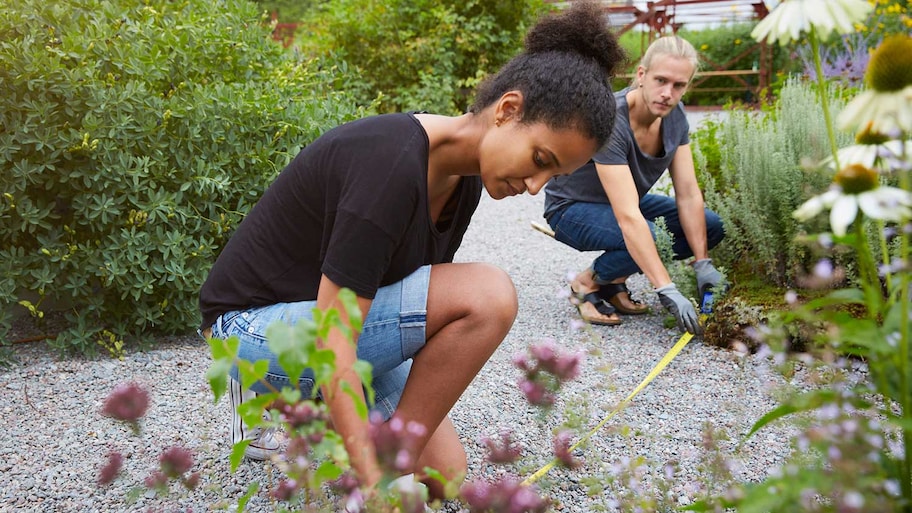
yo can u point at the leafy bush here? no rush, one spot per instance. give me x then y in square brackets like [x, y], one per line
[133, 138]
[419, 55]
[758, 180]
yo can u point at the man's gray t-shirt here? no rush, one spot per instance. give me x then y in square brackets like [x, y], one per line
[621, 149]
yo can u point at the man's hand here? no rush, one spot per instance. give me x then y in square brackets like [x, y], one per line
[679, 306]
[707, 276]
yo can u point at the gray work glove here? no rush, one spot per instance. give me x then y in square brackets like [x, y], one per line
[679, 306]
[707, 276]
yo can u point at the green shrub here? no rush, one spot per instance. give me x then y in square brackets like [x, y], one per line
[134, 137]
[419, 55]
[758, 181]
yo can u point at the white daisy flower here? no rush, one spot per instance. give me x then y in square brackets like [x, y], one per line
[791, 18]
[857, 187]
[874, 156]
[886, 107]
[886, 112]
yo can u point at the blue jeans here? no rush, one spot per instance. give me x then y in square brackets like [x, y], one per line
[593, 227]
[393, 332]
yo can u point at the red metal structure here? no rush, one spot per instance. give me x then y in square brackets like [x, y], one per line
[661, 17]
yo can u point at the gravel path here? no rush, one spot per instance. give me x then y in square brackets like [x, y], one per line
[54, 439]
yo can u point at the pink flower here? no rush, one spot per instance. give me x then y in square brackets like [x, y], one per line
[192, 481]
[111, 468]
[561, 446]
[127, 402]
[536, 393]
[396, 442]
[175, 461]
[505, 495]
[502, 449]
[345, 484]
[156, 480]
[286, 490]
[301, 414]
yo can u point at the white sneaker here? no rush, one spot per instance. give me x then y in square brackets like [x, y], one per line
[263, 444]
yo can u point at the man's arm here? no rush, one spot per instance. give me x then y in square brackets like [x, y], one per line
[625, 202]
[351, 427]
[689, 199]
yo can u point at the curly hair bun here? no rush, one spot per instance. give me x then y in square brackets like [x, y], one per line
[582, 29]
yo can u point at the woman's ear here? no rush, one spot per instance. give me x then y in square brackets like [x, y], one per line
[509, 107]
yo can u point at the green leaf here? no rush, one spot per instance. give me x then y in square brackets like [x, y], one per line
[223, 352]
[293, 346]
[237, 454]
[323, 364]
[327, 471]
[250, 373]
[803, 402]
[360, 405]
[364, 370]
[837, 297]
[220, 349]
[252, 489]
[350, 303]
[217, 374]
[251, 411]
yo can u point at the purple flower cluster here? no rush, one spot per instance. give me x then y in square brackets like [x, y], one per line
[173, 463]
[846, 64]
[128, 402]
[503, 449]
[299, 414]
[545, 368]
[506, 495]
[561, 445]
[396, 443]
[111, 468]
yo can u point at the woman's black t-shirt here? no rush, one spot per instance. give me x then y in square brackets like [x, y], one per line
[352, 205]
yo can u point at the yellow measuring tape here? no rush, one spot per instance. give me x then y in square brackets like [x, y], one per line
[669, 356]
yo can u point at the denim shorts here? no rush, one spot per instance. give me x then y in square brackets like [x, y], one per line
[393, 332]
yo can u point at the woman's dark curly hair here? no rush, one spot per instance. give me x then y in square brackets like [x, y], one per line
[564, 73]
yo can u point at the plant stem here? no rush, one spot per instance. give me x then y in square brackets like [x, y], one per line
[905, 380]
[884, 252]
[824, 97]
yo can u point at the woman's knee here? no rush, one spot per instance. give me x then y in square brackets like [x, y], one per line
[478, 290]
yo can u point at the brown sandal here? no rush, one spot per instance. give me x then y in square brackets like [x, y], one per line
[601, 306]
[619, 296]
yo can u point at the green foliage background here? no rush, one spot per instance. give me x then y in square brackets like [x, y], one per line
[419, 54]
[134, 136]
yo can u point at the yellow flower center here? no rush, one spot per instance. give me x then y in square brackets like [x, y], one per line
[890, 68]
[868, 136]
[856, 179]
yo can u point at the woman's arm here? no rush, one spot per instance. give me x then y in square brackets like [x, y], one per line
[618, 184]
[351, 427]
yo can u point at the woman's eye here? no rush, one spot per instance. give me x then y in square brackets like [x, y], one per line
[538, 160]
